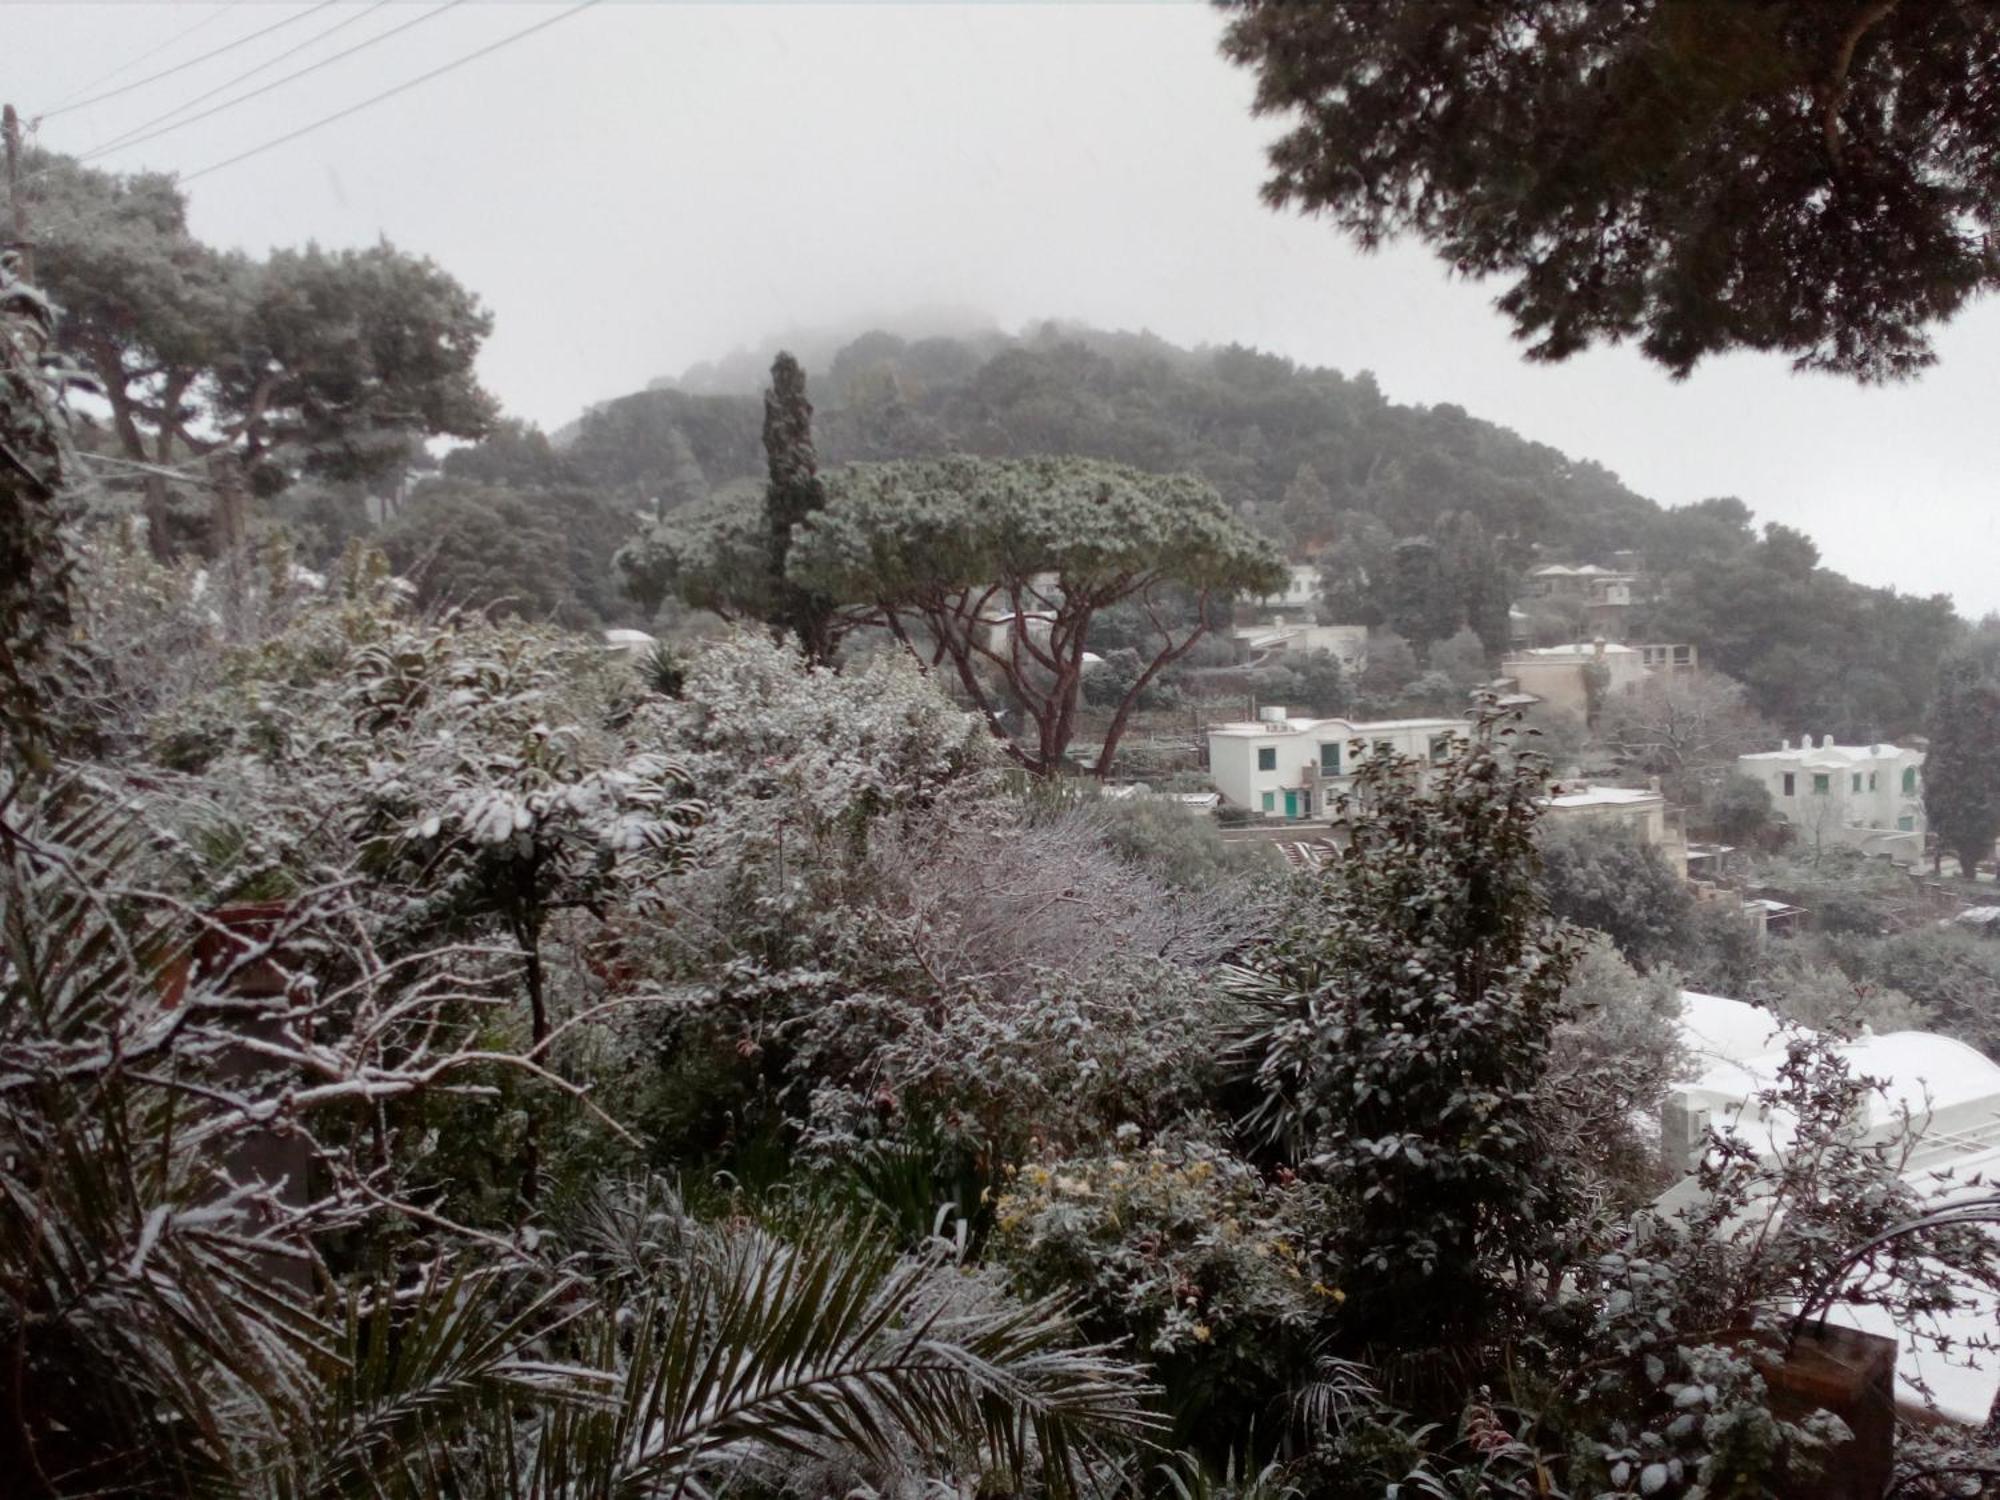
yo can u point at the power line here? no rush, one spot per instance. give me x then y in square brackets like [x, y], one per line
[160, 51]
[126, 88]
[390, 93]
[124, 138]
[263, 89]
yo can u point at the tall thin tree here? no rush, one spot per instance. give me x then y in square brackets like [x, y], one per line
[794, 493]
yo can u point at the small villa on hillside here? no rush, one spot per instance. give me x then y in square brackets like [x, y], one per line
[1866, 797]
[1294, 768]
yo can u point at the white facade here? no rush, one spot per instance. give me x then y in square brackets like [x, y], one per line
[1295, 768]
[1867, 797]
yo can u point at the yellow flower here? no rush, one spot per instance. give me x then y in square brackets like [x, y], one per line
[1201, 1333]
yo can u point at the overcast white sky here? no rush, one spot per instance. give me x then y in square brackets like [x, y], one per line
[647, 185]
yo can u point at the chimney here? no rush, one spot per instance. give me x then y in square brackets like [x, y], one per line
[1826, 742]
[1785, 744]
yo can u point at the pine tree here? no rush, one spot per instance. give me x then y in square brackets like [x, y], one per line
[794, 493]
[1962, 768]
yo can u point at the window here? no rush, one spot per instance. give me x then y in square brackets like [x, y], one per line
[1856, 786]
[1267, 758]
[1270, 802]
[1440, 749]
[1329, 759]
[1791, 785]
[1683, 656]
[1909, 781]
[1872, 776]
[1822, 783]
[1907, 825]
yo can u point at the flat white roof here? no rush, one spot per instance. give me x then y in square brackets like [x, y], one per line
[1242, 729]
[1575, 648]
[1833, 753]
[1605, 796]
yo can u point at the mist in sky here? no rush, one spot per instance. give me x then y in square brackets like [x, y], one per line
[642, 187]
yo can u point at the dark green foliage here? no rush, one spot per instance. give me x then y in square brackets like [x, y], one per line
[1603, 878]
[540, 554]
[1419, 599]
[1953, 974]
[1699, 177]
[1321, 689]
[326, 363]
[1740, 809]
[1401, 1022]
[36, 564]
[1962, 766]
[1479, 579]
[794, 497]
[1816, 653]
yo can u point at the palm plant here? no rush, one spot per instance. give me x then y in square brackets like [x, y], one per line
[153, 1343]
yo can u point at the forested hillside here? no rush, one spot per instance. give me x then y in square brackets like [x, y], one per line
[1321, 461]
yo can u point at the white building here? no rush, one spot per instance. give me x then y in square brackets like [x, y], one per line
[1867, 797]
[1295, 768]
[1944, 1093]
[1299, 595]
[1261, 645]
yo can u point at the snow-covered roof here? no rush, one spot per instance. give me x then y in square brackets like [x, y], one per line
[1253, 729]
[1951, 1095]
[1576, 648]
[1833, 754]
[1604, 796]
[1716, 1030]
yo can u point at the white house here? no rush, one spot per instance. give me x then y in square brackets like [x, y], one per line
[1260, 645]
[1299, 595]
[1867, 797]
[1946, 1094]
[1294, 768]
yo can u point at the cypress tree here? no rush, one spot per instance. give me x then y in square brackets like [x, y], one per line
[794, 493]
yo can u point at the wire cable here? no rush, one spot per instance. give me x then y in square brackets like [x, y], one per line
[126, 88]
[125, 137]
[160, 51]
[78, 221]
[276, 83]
[390, 93]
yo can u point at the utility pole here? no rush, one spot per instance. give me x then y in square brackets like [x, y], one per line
[17, 227]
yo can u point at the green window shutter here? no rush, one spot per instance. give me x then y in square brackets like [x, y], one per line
[1822, 783]
[1329, 760]
[1270, 802]
[1267, 758]
[1909, 781]
[1857, 783]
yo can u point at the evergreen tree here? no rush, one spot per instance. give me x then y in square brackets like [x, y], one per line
[1962, 769]
[1695, 176]
[1479, 580]
[1421, 606]
[794, 493]
[1398, 1026]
